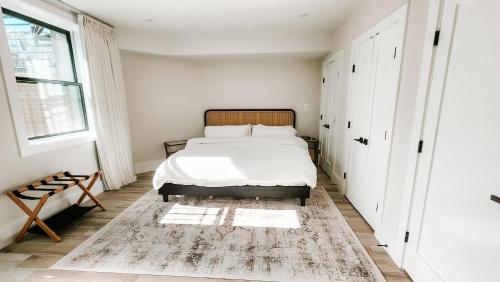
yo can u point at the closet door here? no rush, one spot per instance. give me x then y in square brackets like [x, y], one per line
[454, 225]
[362, 110]
[328, 142]
[326, 109]
[323, 132]
[387, 59]
[375, 87]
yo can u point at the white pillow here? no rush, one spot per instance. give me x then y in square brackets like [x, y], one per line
[228, 131]
[264, 130]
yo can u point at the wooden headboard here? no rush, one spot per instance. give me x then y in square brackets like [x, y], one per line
[250, 116]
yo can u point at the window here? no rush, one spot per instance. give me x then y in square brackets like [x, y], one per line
[50, 96]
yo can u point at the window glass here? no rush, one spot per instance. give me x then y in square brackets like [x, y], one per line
[38, 51]
[50, 109]
[49, 93]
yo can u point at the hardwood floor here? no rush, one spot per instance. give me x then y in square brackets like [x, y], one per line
[31, 259]
[363, 231]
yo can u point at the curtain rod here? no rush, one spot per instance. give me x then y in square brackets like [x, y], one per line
[68, 8]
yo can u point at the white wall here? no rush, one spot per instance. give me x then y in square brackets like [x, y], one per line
[164, 101]
[213, 44]
[167, 96]
[364, 17]
[16, 171]
[269, 82]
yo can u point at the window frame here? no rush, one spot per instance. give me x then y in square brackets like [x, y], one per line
[57, 20]
[23, 79]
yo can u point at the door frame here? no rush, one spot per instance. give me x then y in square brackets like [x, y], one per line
[396, 245]
[330, 58]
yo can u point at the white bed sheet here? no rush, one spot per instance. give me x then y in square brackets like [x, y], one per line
[262, 161]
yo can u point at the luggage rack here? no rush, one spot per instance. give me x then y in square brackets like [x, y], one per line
[48, 187]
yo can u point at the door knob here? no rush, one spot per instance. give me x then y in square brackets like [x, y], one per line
[495, 199]
[362, 140]
[327, 126]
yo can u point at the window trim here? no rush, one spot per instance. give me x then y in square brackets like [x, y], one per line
[54, 18]
[22, 79]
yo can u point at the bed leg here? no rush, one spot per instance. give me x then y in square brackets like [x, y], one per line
[302, 202]
[165, 198]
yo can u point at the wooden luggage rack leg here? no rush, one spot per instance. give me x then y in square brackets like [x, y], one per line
[65, 180]
[33, 216]
[86, 191]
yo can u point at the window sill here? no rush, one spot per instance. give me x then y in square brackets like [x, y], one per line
[33, 147]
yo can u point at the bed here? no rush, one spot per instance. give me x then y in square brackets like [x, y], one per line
[271, 166]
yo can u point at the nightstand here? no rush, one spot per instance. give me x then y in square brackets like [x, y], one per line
[173, 146]
[313, 145]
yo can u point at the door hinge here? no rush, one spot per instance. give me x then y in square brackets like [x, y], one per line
[348, 124]
[407, 235]
[353, 68]
[420, 146]
[376, 208]
[345, 175]
[436, 38]
[395, 51]
[320, 117]
[324, 80]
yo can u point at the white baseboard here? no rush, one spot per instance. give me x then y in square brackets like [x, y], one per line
[147, 166]
[9, 231]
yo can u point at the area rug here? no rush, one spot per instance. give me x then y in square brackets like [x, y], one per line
[266, 240]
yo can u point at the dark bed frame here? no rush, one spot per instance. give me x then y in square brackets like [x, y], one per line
[301, 192]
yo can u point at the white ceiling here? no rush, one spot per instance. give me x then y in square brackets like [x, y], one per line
[180, 17]
[207, 27]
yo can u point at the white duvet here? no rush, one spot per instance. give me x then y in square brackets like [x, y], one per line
[262, 161]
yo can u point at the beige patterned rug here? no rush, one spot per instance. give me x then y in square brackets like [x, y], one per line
[268, 240]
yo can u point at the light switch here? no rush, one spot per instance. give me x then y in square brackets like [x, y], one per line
[306, 107]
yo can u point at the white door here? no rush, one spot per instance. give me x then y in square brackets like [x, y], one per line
[362, 109]
[331, 85]
[376, 82]
[387, 59]
[324, 136]
[454, 226]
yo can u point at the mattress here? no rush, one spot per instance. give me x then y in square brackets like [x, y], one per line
[259, 161]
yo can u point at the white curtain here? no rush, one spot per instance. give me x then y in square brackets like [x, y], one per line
[109, 102]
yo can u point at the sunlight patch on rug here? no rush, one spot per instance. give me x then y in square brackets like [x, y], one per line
[266, 218]
[180, 214]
